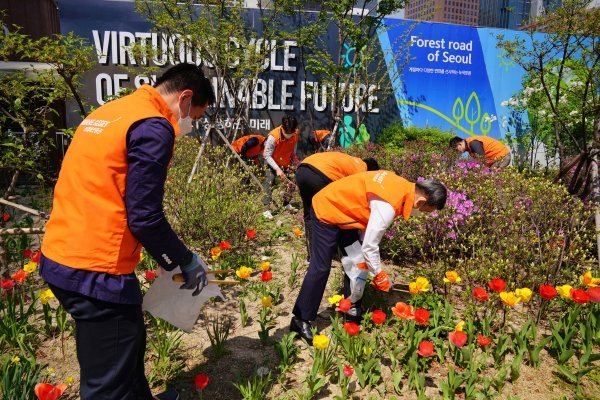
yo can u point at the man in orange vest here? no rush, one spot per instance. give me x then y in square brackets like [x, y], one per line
[249, 147]
[319, 139]
[319, 170]
[279, 153]
[107, 206]
[494, 153]
[367, 202]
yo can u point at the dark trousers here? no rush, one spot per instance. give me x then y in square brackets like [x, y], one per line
[111, 341]
[325, 241]
[309, 182]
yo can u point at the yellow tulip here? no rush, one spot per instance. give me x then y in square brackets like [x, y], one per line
[243, 272]
[564, 291]
[15, 359]
[46, 295]
[69, 380]
[421, 284]
[589, 280]
[509, 298]
[335, 299]
[298, 232]
[321, 342]
[30, 267]
[266, 301]
[524, 294]
[452, 277]
[265, 265]
[459, 327]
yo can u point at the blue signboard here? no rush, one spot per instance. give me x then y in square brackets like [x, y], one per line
[456, 77]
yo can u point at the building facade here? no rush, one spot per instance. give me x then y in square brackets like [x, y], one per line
[507, 14]
[463, 12]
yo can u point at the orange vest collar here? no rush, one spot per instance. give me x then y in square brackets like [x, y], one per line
[161, 105]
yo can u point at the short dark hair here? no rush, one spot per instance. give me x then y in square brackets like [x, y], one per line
[186, 76]
[372, 164]
[435, 192]
[289, 123]
[455, 141]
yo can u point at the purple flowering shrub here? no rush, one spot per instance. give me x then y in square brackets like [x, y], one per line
[496, 223]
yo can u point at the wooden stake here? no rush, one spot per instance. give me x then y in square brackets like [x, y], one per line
[22, 231]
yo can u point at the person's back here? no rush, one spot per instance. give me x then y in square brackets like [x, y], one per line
[494, 150]
[335, 165]
[345, 203]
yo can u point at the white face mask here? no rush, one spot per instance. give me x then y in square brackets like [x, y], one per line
[185, 123]
[287, 135]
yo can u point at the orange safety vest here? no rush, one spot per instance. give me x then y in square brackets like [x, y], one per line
[284, 148]
[494, 149]
[320, 134]
[88, 227]
[345, 202]
[253, 151]
[336, 165]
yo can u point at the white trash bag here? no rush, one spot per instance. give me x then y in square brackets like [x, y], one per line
[177, 306]
[356, 269]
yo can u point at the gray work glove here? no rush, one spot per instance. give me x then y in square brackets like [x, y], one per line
[194, 274]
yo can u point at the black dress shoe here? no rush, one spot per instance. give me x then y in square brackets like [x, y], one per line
[168, 395]
[302, 328]
[355, 314]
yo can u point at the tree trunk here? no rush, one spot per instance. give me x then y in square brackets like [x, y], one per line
[596, 184]
[12, 185]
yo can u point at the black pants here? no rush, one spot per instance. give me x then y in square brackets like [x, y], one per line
[325, 241]
[309, 182]
[111, 341]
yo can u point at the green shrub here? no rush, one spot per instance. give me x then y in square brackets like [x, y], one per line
[395, 137]
[219, 204]
[499, 223]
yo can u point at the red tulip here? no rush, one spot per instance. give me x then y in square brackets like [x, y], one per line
[594, 294]
[251, 234]
[20, 276]
[7, 284]
[579, 296]
[35, 256]
[458, 338]
[27, 253]
[378, 317]
[224, 245]
[266, 276]
[6, 217]
[150, 275]
[497, 285]
[345, 305]
[547, 292]
[46, 391]
[425, 349]
[483, 341]
[421, 316]
[352, 328]
[348, 371]
[201, 381]
[480, 294]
